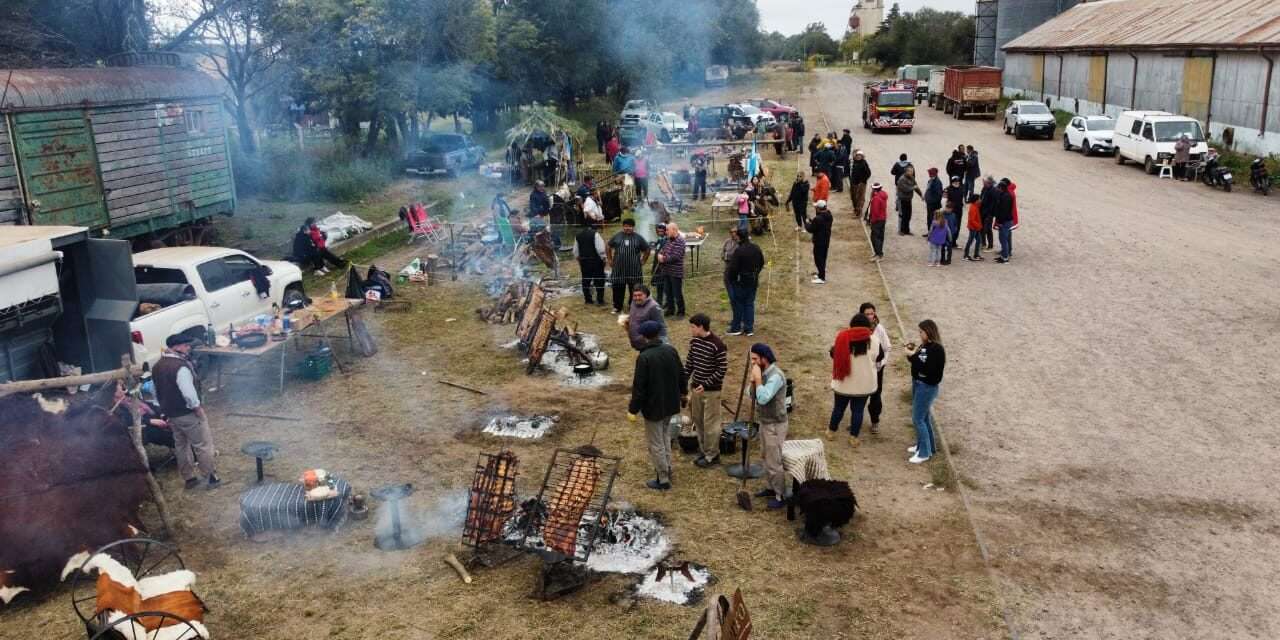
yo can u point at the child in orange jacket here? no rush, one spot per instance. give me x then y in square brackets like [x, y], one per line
[974, 224]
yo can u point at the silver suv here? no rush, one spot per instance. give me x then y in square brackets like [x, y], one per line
[1028, 117]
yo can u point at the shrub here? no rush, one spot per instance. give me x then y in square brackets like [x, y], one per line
[332, 171]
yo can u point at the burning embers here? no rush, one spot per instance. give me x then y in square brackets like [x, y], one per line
[523, 427]
[682, 583]
[629, 543]
[540, 331]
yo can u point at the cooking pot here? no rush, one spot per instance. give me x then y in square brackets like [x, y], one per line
[250, 340]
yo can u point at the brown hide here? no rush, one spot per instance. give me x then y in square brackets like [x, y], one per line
[69, 482]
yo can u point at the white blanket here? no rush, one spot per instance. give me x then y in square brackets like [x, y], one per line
[341, 226]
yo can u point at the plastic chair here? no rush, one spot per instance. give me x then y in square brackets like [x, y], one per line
[1166, 171]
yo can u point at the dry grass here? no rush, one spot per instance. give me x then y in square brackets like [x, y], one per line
[908, 566]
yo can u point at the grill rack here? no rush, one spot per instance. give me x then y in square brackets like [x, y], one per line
[581, 477]
[491, 500]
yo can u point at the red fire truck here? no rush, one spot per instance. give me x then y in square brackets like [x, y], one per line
[888, 105]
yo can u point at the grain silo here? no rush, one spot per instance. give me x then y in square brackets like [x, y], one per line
[1016, 17]
[984, 41]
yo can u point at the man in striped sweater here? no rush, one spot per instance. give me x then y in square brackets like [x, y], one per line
[701, 380]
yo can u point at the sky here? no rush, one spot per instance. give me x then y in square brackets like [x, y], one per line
[790, 16]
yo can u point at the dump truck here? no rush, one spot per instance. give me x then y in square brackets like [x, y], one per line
[888, 105]
[920, 73]
[937, 82]
[138, 153]
[970, 90]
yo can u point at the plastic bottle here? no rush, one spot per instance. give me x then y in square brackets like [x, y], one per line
[333, 290]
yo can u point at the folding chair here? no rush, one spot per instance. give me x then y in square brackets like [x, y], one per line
[504, 232]
[422, 226]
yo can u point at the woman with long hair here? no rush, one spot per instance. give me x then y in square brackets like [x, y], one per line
[853, 374]
[927, 362]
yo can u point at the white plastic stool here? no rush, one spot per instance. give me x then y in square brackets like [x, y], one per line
[1166, 171]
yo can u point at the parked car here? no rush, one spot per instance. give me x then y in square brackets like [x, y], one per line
[208, 286]
[716, 75]
[1090, 134]
[635, 134]
[1028, 117]
[637, 110]
[755, 116]
[450, 153]
[674, 128]
[773, 107]
[1147, 137]
[715, 117]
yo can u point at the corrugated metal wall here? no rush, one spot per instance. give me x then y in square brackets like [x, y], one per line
[10, 199]
[1169, 83]
[1016, 17]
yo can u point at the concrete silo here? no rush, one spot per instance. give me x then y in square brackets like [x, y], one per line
[1016, 17]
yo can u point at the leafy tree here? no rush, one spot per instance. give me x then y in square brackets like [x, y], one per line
[927, 36]
[242, 51]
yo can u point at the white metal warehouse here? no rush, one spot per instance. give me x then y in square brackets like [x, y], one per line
[1214, 61]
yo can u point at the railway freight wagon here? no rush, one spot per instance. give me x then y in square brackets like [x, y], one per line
[135, 153]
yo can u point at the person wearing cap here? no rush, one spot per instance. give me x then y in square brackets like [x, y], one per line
[655, 394]
[798, 199]
[877, 216]
[908, 188]
[933, 193]
[177, 391]
[626, 254]
[820, 230]
[769, 392]
[859, 176]
[658, 277]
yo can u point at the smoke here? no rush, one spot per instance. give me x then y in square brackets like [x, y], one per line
[646, 220]
[662, 41]
[443, 519]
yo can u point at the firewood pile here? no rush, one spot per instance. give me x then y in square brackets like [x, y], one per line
[506, 307]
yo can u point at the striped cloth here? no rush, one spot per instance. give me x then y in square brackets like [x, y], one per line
[706, 363]
[284, 506]
[628, 251]
[805, 460]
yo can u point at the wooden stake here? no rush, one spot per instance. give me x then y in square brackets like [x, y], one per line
[463, 387]
[135, 431]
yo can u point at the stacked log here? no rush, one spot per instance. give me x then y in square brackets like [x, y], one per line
[505, 309]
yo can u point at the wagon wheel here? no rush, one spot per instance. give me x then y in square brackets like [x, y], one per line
[164, 620]
[143, 556]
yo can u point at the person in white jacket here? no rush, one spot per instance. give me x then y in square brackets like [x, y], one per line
[853, 374]
[874, 404]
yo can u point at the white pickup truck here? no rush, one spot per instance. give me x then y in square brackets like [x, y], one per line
[186, 289]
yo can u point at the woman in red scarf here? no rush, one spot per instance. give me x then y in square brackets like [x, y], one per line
[853, 374]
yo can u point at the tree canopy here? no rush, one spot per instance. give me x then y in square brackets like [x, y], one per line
[814, 40]
[927, 36]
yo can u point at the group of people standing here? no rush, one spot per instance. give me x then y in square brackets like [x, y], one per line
[858, 358]
[662, 384]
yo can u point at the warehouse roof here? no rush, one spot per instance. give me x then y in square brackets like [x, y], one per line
[1156, 25]
[31, 89]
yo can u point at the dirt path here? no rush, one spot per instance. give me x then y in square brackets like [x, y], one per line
[1109, 393]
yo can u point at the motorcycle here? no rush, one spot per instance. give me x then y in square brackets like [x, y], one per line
[1259, 178]
[1216, 175]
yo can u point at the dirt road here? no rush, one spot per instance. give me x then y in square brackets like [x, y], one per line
[1109, 393]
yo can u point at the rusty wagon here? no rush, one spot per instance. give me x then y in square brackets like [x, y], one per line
[132, 152]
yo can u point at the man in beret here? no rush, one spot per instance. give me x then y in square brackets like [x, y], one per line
[769, 388]
[177, 391]
[655, 394]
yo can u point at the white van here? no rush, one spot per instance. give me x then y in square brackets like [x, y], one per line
[1147, 137]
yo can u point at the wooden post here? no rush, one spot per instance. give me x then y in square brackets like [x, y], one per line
[135, 432]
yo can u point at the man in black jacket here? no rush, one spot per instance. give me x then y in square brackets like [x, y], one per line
[989, 201]
[589, 249]
[655, 394]
[743, 272]
[1004, 218]
[798, 200]
[820, 228]
[859, 176]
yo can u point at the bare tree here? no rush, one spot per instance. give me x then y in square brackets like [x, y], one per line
[241, 50]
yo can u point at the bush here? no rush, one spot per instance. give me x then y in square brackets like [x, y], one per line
[328, 171]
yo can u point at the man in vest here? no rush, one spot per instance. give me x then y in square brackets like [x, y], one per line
[769, 386]
[177, 391]
[589, 250]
